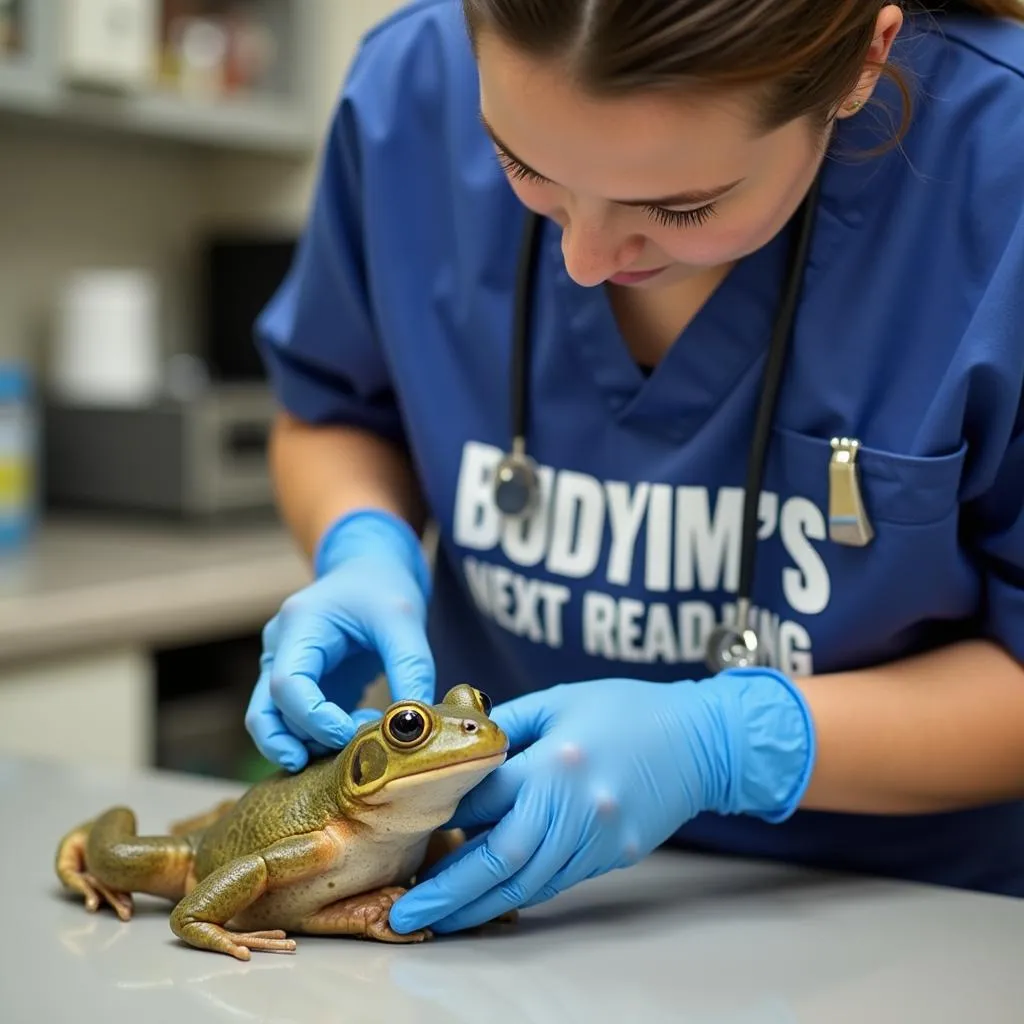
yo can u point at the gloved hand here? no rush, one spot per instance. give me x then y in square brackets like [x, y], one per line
[364, 613]
[610, 770]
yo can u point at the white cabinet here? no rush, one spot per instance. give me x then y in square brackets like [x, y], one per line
[93, 707]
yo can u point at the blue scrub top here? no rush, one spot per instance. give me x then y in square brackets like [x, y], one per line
[910, 337]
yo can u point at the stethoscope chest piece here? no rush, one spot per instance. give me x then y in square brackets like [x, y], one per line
[732, 646]
[516, 484]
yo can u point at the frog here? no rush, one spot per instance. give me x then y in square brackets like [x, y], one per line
[323, 851]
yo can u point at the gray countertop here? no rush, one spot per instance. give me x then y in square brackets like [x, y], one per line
[677, 938]
[89, 582]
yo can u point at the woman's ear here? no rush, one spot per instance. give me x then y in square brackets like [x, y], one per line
[887, 28]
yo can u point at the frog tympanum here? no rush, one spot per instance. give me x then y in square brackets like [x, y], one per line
[325, 851]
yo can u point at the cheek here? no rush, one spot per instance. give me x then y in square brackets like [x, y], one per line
[725, 238]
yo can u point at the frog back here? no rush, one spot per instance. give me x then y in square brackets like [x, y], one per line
[275, 808]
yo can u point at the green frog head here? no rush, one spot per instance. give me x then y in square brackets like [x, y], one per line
[407, 770]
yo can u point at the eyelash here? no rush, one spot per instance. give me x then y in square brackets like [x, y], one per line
[668, 218]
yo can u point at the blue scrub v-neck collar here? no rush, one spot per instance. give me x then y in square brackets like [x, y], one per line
[729, 337]
[720, 345]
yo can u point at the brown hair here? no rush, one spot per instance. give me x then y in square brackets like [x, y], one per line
[808, 54]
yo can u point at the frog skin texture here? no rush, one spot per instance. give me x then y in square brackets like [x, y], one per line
[324, 851]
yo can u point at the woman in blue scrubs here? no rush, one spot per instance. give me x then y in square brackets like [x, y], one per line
[667, 148]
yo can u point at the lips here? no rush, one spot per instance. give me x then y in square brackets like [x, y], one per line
[634, 277]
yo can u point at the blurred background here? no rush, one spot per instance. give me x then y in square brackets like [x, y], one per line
[156, 162]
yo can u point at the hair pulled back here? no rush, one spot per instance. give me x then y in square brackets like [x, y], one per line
[804, 56]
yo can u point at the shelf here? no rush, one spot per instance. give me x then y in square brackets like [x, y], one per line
[259, 124]
[33, 84]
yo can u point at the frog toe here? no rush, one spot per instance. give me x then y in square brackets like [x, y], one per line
[122, 902]
[77, 879]
[212, 937]
[271, 941]
[383, 932]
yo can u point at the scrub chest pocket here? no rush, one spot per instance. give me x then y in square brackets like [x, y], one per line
[912, 586]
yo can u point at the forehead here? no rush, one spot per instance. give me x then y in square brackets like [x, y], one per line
[645, 143]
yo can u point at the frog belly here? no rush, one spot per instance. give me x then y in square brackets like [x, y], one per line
[359, 866]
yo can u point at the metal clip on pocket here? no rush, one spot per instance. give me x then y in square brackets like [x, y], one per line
[848, 522]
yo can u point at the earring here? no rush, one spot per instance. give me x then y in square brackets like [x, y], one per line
[853, 106]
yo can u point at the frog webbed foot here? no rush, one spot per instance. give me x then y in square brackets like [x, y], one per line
[122, 902]
[73, 872]
[363, 916]
[217, 939]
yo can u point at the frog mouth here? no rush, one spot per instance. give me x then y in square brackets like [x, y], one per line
[472, 765]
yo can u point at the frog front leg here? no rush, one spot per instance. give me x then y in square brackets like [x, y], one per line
[201, 917]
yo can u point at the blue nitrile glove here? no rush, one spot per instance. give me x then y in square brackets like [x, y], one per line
[365, 613]
[610, 770]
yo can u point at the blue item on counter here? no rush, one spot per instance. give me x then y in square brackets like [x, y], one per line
[17, 456]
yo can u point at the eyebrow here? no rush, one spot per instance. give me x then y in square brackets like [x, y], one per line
[693, 197]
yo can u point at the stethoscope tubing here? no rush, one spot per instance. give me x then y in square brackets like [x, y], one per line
[730, 644]
[773, 372]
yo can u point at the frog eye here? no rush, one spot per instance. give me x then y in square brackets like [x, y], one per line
[485, 702]
[407, 727]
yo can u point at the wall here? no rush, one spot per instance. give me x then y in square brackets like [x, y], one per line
[66, 201]
[69, 198]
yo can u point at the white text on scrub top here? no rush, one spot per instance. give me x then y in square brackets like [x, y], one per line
[692, 546]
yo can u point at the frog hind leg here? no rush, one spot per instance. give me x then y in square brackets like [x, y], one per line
[363, 916]
[106, 860]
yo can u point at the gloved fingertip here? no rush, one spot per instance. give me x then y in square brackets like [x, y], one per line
[342, 736]
[275, 741]
[363, 715]
[366, 714]
[419, 907]
[292, 756]
[330, 726]
[403, 922]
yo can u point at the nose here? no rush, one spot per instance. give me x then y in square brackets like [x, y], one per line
[594, 251]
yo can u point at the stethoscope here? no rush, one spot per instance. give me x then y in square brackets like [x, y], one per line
[517, 482]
